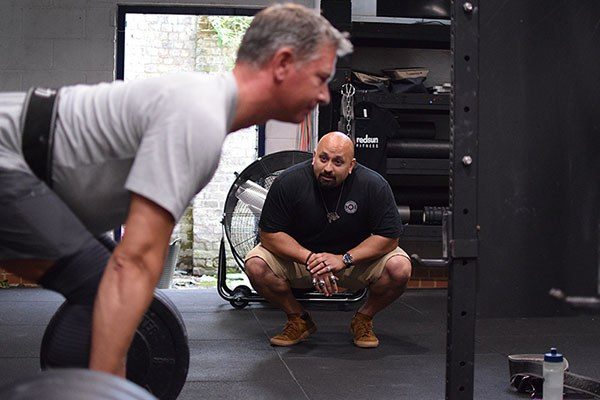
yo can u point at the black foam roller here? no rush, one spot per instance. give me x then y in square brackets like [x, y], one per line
[418, 148]
[416, 130]
[421, 197]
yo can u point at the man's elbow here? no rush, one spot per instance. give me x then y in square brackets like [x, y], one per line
[138, 265]
[266, 239]
[392, 244]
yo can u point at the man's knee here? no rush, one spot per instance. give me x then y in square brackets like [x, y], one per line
[399, 270]
[260, 274]
[78, 276]
[256, 268]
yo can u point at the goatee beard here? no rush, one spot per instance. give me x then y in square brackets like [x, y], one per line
[327, 184]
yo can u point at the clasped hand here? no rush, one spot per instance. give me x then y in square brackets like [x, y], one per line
[322, 268]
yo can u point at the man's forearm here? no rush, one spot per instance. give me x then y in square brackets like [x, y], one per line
[283, 245]
[128, 283]
[371, 248]
[125, 293]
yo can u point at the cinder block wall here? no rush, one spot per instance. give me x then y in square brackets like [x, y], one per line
[60, 42]
[54, 43]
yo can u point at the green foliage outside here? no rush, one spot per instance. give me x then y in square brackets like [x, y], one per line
[229, 29]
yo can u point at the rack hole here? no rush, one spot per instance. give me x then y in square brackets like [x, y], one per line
[467, 109]
[467, 57]
[465, 211]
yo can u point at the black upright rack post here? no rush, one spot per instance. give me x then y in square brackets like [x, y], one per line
[463, 202]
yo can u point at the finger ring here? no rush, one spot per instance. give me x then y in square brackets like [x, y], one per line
[333, 278]
[321, 283]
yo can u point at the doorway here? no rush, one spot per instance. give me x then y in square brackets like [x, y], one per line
[154, 41]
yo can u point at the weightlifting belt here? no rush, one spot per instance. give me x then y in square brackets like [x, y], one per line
[38, 123]
[527, 377]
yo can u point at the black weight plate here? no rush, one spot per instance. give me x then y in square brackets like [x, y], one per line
[73, 384]
[73, 349]
[158, 358]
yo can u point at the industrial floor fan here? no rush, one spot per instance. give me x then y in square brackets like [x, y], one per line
[240, 225]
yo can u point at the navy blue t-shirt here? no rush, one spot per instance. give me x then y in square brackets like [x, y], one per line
[295, 205]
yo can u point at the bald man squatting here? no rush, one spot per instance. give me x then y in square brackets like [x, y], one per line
[330, 224]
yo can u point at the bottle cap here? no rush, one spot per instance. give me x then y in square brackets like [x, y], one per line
[553, 356]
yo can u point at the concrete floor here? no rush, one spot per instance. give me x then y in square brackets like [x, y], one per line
[231, 357]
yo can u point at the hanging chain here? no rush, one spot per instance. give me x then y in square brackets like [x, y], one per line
[348, 91]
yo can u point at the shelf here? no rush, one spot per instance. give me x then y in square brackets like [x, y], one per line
[428, 36]
[404, 101]
[417, 166]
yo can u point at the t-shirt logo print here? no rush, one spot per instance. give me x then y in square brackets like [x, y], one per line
[350, 207]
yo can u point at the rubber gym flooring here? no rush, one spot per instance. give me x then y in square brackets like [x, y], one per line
[231, 357]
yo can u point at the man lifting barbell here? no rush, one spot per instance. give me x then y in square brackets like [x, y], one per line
[84, 159]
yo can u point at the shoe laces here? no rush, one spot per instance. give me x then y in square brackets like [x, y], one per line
[292, 327]
[363, 328]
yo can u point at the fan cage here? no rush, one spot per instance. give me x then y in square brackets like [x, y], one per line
[239, 221]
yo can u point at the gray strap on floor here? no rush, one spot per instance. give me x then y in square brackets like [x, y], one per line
[526, 373]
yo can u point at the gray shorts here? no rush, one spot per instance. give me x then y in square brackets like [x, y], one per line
[34, 222]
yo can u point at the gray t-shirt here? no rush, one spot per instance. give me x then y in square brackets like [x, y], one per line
[11, 104]
[160, 138]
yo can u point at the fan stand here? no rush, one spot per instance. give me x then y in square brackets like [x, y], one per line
[240, 296]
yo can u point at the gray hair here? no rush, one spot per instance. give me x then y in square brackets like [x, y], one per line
[291, 25]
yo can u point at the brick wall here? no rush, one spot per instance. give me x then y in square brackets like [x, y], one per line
[238, 152]
[158, 44]
[428, 278]
[8, 279]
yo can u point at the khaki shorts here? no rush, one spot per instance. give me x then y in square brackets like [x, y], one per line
[354, 278]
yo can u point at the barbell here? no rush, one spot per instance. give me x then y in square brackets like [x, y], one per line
[73, 384]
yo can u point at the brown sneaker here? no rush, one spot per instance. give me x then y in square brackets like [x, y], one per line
[295, 330]
[362, 329]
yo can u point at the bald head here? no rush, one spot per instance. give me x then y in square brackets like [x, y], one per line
[337, 141]
[334, 159]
